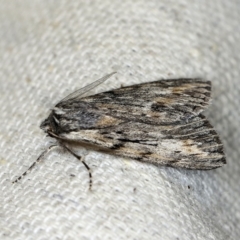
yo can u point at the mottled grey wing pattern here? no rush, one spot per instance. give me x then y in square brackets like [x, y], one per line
[158, 122]
[159, 102]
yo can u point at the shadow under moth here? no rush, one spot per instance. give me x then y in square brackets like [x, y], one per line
[158, 122]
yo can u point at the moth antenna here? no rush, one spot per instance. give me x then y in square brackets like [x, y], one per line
[37, 161]
[84, 163]
[80, 92]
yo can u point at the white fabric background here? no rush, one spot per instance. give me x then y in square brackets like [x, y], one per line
[50, 48]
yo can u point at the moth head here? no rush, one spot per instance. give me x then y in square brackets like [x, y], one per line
[48, 125]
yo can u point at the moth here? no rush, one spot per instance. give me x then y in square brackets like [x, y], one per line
[158, 122]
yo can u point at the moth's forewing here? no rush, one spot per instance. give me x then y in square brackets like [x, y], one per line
[156, 122]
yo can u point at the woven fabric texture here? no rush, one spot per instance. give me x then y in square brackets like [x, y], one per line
[51, 48]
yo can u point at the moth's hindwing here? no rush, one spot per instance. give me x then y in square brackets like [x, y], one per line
[158, 122]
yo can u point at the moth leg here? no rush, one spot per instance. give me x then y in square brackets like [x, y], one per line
[86, 166]
[37, 161]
